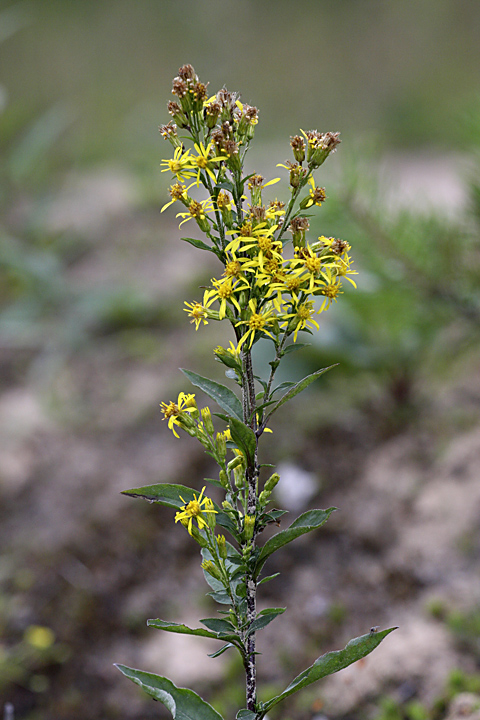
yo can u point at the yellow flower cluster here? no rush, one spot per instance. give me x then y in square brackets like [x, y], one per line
[264, 290]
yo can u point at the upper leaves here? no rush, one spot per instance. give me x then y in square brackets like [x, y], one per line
[222, 395]
[308, 521]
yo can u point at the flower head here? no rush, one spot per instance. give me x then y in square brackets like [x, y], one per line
[178, 413]
[197, 509]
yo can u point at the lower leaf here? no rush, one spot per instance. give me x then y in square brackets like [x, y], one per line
[331, 663]
[184, 704]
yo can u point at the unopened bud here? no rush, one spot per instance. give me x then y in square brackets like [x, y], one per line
[221, 443]
[222, 475]
[212, 569]
[235, 463]
[271, 483]
[228, 507]
[210, 513]
[222, 546]
[239, 476]
[207, 420]
[249, 526]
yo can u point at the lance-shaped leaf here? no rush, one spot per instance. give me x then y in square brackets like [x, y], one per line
[181, 629]
[218, 632]
[201, 245]
[297, 388]
[330, 663]
[222, 395]
[245, 438]
[184, 704]
[308, 521]
[265, 618]
[176, 496]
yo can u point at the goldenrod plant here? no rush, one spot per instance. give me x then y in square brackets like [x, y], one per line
[272, 285]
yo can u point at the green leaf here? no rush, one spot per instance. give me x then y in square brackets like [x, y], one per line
[217, 625]
[298, 387]
[221, 597]
[200, 245]
[308, 521]
[167, 494]
[268, 578]
[184, 704]
[264, 619]
[331, 663]
[295, 346]
[180, 628]
[222, 395]
[245, 438]
[245, 714]
[221, 651]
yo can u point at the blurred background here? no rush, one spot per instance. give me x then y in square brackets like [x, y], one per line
[92, 332]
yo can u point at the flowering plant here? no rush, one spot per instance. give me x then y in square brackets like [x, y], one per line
[265, 293]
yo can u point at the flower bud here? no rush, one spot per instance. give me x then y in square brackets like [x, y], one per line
[228, 507]
[210, 513]
[249, 526]
[211, 113]
[212, 569]
[221, 443]
[235, 463]
[298, 147]
[271, 483]
[222, 475]
[222, 546]
[207, 420]
[239, 476]
[229, 357]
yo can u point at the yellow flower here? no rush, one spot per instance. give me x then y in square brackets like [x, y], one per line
[198, 211]
[180, 165]
[193, 510]
[177, 192]
[224, 291]
[330, 289]
[199, 311]
[175, 412]
[248, 236]
[257, 322]
[302, 316]
[204, 162]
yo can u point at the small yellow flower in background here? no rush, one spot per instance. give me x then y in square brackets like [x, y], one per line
[193, 510]
[39, 637]
[173, 412]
